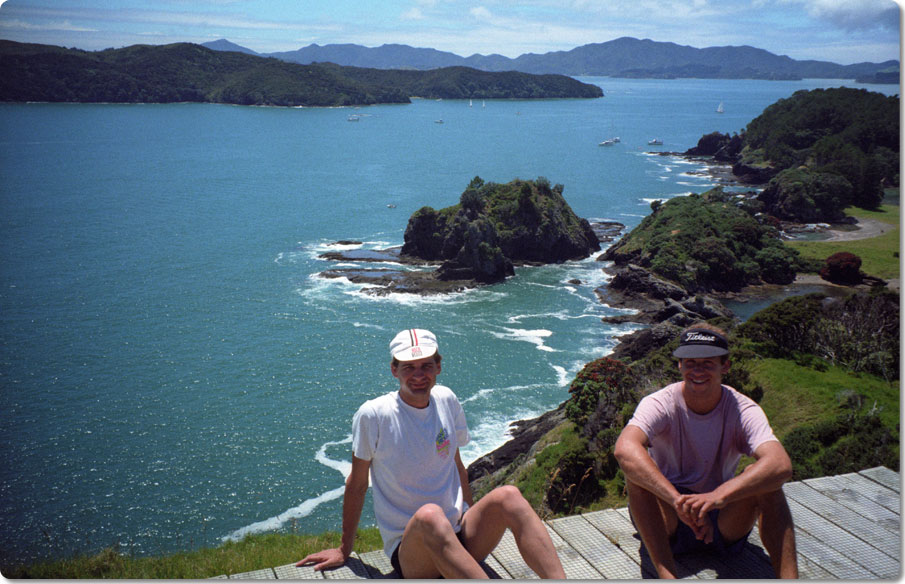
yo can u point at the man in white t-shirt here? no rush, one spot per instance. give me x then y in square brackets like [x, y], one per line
[408, 441]
[680, 452]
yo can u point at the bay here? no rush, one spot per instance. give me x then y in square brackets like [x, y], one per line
[173, 373]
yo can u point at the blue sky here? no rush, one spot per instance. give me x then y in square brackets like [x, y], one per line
[842, 31]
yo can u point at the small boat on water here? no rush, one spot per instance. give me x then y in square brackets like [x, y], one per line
[655, 142]
[719, 108]
[610, 141]
[354, 118]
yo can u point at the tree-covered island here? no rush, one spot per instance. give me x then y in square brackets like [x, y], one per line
[185, 72]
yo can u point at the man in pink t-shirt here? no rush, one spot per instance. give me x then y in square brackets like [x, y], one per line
[680, 452]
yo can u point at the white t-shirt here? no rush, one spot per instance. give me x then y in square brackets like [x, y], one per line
[700, 452]
[412, 453]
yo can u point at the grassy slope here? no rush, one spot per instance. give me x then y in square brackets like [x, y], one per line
[878, 254]
[255, 552]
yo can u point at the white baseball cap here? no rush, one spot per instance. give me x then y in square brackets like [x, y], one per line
[413, 344]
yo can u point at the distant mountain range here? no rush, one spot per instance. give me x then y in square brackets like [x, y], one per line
[622, 57]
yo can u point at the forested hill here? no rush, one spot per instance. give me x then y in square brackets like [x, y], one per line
[185, 72]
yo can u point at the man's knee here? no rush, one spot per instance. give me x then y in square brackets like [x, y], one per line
[430, 521]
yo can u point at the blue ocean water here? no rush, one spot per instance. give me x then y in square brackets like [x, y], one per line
[173, 372]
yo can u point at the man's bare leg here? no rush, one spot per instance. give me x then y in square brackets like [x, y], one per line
[777, 532]
[655, 522]
[485, 523]
[431, 548]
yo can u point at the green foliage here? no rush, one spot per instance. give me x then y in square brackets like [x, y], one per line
[835, 148]
[531, 222]
[595, 380]
[860, 331]
[784, 327]
[706, 242]
[855, 439]
[254, 552]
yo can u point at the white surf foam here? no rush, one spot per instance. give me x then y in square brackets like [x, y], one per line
[535, 337]
[306, 507]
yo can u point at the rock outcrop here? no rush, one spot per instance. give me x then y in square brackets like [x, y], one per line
[497, 226]
[479, 241]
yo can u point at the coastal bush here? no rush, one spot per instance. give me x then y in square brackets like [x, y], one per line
[831, 148]
[784, 327]
[706, 242]
[855, 439]
[842, 268]
[600, 379]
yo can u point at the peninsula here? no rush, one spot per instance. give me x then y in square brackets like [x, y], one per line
[185, 72]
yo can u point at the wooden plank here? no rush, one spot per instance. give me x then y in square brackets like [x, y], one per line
[867, 530]
[494, 569]
[872, 561]
[263, 574]
[378, 565]
[606, 557]
[884, 476]
[573, 564]
[353, 569]
[622, 534]
[873, 490]
[808, 569]
[507, 555]
[291, 572]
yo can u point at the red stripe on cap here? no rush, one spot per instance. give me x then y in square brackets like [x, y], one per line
[414, 336]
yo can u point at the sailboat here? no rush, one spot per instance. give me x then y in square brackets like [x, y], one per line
[469, 103]
[719, 108]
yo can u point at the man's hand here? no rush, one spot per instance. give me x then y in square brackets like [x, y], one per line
[692, 510]
[332, 558]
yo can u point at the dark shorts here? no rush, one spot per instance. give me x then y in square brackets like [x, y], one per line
[394, 559]
[683, 541]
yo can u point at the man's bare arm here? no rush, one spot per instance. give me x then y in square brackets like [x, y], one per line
[353, 502]
[771, 470]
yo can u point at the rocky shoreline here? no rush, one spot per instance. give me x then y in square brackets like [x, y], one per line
[414, 275]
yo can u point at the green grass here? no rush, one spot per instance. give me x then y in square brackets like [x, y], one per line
[796, 395]
[879, 255]
[252, 553]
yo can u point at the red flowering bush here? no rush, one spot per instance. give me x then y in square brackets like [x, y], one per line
[842, 268]
[600, 377]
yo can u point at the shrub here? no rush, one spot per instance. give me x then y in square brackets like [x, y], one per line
[596, 379]
[842, 268]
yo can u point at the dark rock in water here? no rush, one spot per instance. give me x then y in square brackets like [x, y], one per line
[656, 299]
[364, 255]
[607, 231]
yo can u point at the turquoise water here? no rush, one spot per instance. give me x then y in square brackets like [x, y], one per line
[174, 372]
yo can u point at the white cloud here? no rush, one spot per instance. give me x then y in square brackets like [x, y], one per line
[481, 13]
[854, 14]
[413, 13]
[62, 26]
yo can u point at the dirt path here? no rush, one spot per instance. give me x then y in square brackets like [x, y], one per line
[866, 228]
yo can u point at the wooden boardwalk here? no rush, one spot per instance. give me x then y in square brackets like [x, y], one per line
[848, 527]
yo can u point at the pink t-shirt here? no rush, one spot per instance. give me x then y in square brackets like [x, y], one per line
[700, 452]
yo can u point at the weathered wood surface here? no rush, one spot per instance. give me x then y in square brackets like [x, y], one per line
[848, 527]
